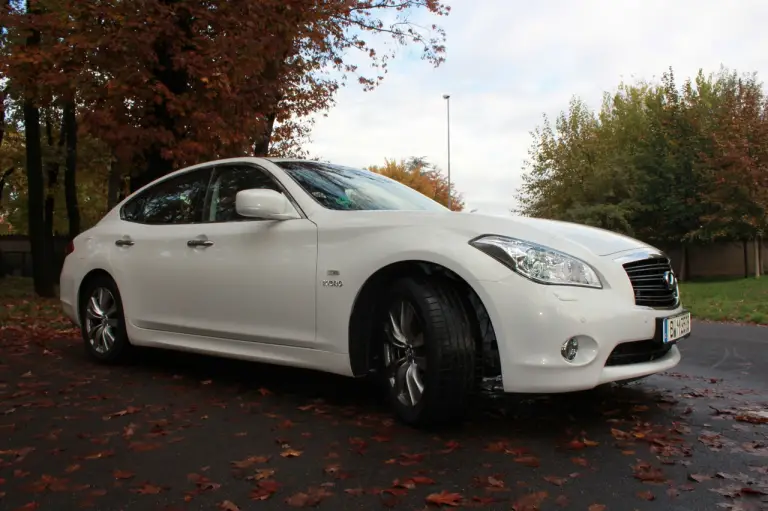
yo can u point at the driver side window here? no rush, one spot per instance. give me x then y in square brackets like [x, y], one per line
[226, 182]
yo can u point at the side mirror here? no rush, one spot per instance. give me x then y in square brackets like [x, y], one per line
[265, 204]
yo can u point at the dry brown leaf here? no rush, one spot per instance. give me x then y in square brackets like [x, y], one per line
[445, 498]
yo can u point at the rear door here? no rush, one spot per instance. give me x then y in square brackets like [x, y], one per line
[152, 262]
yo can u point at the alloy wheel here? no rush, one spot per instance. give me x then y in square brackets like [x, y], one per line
[405, 352]
[101, 320]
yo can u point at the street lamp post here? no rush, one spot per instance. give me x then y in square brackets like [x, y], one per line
[447, 99]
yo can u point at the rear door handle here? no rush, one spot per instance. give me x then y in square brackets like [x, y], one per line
[199, 243]
[124, 242]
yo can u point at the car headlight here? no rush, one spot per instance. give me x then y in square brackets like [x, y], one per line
[538, 263]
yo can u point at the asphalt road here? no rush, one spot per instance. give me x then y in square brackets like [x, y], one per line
[177, 431]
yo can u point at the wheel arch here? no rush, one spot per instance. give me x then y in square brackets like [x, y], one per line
[88, 278]
[360, 336]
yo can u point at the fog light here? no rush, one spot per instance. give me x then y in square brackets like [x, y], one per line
[569, 349]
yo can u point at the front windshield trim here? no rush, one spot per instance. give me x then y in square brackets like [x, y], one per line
[408, 198]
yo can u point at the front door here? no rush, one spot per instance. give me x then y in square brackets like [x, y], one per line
[253, 280]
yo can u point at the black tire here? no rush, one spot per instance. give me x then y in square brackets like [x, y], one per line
[121, 349]
[446, 349]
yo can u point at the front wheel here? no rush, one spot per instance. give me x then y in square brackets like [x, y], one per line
[102, 323]
[427, 351]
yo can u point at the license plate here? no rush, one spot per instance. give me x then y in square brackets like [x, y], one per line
[676, 327]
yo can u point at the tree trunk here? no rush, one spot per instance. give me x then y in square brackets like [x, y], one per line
[746, 258]
[2, 114]
[41, 270]
[52, 171]
[261, 146]
[69, 130]
[756, 243]
[4, 179]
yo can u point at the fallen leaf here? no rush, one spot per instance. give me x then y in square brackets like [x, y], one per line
[528, 461]
[311, 498]
[450, 446]
[250, 460]
[228, 505]
[445, 498]
[261, 474]
[122, 474]
[698, 477]
[264, 489]
[580, 461]
[530, 502]
[496, 483]
[597, 507]
[291, 453]
[410, 459]
[147, 489]
[647, 473]
[121, 413]
[750, 490]
[646, 495]
[754, 417]
[100, 454]
[575, 445]
[557, 481]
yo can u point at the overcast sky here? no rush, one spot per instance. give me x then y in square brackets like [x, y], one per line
[510, 61]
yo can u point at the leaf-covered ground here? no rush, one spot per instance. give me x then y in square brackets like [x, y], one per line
[174, 431]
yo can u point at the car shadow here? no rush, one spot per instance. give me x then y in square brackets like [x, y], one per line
[490, 415]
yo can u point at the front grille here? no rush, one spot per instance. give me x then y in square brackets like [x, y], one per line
[649, 285]
[637, 352]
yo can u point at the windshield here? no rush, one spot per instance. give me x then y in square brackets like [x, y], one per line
[345, 188]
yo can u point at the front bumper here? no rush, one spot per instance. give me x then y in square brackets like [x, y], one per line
[532, 321]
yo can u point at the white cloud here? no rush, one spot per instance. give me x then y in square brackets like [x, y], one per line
[510, 61]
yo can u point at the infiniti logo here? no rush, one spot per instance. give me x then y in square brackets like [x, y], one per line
[670, 280]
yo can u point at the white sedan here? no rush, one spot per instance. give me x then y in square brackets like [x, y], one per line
[322, 266]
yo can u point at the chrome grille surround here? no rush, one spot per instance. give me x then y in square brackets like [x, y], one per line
[653, 281]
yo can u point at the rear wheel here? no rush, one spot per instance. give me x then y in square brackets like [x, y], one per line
[427, 351]
[102, 323]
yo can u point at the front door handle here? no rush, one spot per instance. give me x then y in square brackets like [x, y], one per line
[124, 242]
[199, 243]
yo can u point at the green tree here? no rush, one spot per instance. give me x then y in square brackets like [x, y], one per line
[667, 164]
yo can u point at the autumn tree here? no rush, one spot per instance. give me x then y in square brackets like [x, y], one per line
[182, 81]
[423, 177]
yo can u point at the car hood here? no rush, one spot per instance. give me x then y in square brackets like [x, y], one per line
[569, 237]
[556, 233]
